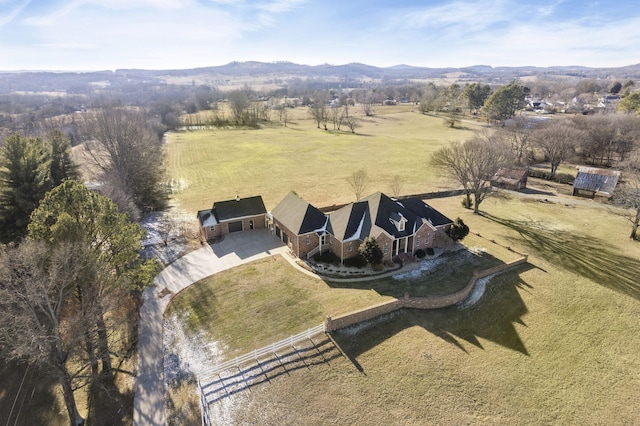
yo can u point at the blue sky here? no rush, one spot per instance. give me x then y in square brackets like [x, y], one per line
[174, 34]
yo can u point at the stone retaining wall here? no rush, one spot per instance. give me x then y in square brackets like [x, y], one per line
[433, 302]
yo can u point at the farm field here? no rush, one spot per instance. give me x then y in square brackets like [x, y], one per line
[551, 342]
[218, 164]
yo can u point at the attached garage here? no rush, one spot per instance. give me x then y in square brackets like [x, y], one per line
[235, 226]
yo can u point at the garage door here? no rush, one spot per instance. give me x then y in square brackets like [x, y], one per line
[235, 226]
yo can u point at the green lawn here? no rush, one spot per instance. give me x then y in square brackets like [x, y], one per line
[552, 342]
[208, 165]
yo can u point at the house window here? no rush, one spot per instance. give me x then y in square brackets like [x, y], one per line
[308, 239]
[417, 240]
[386, 248]
[212, 228]
[350, 247]
[427, 239]
[401, 225]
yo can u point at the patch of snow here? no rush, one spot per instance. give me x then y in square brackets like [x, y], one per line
[424, 265]
[356, 234]
[476, 294]
[186, 353]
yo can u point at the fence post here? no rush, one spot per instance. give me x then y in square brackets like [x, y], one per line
[328, 327]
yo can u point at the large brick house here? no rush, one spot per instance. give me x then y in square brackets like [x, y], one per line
[240, 214]
[399, 226]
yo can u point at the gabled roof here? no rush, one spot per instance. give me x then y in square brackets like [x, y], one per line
[596, 180]
[299, 216]
[232, 209]
[240, 207]
[351, 222]
[206, 218]
[361, 219]
[510, 175]
[387, 212]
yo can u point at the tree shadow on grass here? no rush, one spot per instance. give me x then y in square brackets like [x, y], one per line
[580, 253]
[492, 318]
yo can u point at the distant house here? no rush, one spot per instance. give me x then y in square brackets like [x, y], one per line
[510, 178]
[399, 226]
[592, 182]
[240, 214]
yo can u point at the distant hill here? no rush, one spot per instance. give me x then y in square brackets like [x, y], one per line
[79, 82]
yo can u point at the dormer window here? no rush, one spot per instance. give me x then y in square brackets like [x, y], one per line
[399, 221]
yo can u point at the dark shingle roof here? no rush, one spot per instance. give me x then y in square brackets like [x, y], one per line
[298, 215]
[345, 222]
[240, 207]
[596, 180]
[424, 210]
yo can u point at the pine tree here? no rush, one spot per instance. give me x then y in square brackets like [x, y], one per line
[24, 179]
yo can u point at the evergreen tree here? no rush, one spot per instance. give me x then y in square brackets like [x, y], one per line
[62, 166]
[24, 179]
[73, 214]
[370, 251]
[458, 230]
[505, 101]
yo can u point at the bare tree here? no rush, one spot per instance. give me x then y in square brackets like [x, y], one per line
[337, 117]
[358, 181]
[128, 153]
[628, 194]
[517, 133]
[627, 135]
[473, 164]
[318, 109]
[557, 140]
[283, 113]
[239, 103]
[39, 321]
[352, 123]
[432, 99]
[396, 185]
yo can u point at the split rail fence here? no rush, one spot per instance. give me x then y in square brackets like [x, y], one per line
[216, 380]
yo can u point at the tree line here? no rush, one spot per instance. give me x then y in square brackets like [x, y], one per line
[71, 271]
[602, 140]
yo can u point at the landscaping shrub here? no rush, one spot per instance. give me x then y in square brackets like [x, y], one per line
[467, 203]
[327, 257]
[355, 262]
[420, 254]
[430, 251]
[458, 230]
[370, 250]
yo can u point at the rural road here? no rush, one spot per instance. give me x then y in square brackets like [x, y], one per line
[236, 249]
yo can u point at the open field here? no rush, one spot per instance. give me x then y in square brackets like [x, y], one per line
[553, 342]
[208, 165]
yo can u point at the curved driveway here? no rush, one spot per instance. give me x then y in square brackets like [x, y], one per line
[236, 249]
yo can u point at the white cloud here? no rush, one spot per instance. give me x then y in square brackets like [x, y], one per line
[12, 13]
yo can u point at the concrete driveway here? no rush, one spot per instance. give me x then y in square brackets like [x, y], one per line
[236, 249]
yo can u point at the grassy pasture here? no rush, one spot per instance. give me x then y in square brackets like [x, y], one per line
[208, 165]
[552, 342]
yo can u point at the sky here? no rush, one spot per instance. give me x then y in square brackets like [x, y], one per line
[86, 35]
